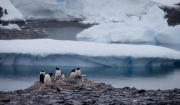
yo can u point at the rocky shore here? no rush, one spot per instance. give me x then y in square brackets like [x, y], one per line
[84, 92]
[35, 29]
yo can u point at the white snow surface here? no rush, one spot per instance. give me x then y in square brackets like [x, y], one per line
[90, 11]
[83, 54]
[10, 26]
[168, 35]
[167, 2]
[150, 28]
[13, 13]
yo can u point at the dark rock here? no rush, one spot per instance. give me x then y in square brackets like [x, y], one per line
[141, 91]
[5, 100]
[5, 11]
[173, 15]
[1, 12]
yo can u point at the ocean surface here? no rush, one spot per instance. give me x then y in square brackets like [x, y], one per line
[21, 77]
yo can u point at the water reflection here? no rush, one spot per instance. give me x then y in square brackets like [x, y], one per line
[66, 33]
[171, 46]
[21, 77]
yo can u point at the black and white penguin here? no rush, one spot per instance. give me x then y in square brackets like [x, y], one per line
[47, 79]
[57, 73]
[72, 74]
[41, 76]
[63, 76]
[78, 73]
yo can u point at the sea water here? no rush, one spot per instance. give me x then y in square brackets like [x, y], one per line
[21, 77]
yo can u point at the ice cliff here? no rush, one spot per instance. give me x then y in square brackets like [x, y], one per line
[84, 54]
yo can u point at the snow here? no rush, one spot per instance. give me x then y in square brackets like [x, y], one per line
[132, 30]
[90, 11]
[168, 35]
[10, 26]
[83, 54]
[13, 13]
[150, 28]
[167, 2]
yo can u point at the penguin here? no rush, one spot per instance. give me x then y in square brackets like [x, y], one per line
[72, 74]
[47, 79]
[63, 76]
[57, 73]
[41, 76]
[78, 73]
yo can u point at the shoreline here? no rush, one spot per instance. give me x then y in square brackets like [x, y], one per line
[34, 29]
[89, 94]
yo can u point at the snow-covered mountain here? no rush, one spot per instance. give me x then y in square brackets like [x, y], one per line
[90, 11]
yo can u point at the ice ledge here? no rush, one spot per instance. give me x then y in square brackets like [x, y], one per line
[84, 54]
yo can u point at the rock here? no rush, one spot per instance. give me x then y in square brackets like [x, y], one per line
[5, 100]
[141, 91]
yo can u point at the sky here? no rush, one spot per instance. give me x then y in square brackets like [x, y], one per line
[168, 2]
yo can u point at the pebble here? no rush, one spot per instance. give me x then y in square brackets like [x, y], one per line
[89, 96]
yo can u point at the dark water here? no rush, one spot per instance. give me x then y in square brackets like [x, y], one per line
[21, 77]
[65, 33]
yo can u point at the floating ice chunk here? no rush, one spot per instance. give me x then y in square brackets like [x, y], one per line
[83, 54]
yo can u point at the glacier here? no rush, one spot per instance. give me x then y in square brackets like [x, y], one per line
[84, 54]
[13, 13]
[89, 11]
[150, 28]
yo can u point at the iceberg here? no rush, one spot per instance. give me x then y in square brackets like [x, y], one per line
[150, 28]
[84, 54]
[168, 35]
[12, 13]
[89, 11]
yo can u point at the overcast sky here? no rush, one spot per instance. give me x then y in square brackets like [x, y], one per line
[167, 2]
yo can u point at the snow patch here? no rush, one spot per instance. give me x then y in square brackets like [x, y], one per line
[10, 26]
